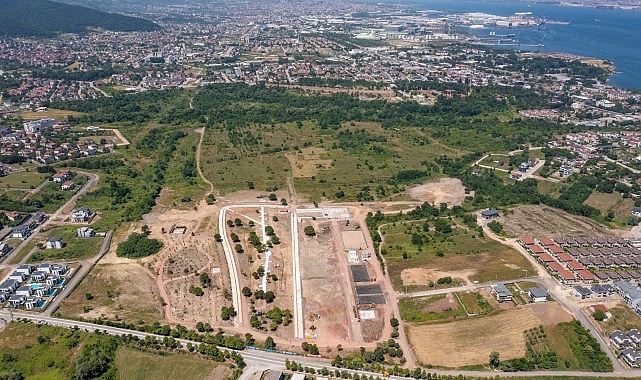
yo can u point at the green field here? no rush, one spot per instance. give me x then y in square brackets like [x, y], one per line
[23, 180]
[459, 250]
[50, 357]
[363, 156]
[623, 319]
[137, 365]
[417, 310]
[75, 248]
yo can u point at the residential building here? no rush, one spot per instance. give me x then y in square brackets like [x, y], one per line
[631, 356]
[619, 339]
[21, 232]
[25, 268]
[537, 294]
[18, 276]
[54, 242]
[630, 293]
[583, 293]
[39, 276]
[501, 293]
[61, 176]
[82, 215]
[33, 302]
[68, 185]
[85, 232]
[9, 286]
[24, 291]
[490, 214]
[16, 300]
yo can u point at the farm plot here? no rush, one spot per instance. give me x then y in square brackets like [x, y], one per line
[474, 339]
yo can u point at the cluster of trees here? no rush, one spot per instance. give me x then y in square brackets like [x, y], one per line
[138, 245]
[276, 315]
[198, 292]
[227, 313]
[94, 163]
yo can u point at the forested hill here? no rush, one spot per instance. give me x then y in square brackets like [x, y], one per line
[42, 18]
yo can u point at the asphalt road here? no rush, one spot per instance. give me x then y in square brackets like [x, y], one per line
[264, 359]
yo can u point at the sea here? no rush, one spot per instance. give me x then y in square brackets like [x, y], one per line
[611, 34]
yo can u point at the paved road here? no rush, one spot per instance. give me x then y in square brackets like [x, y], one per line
[558, 292]
[233, 271]
[55, 217]
[633, 170]
[299, 329]
[261, 359]
[464, 288]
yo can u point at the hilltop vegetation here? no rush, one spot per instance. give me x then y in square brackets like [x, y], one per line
[44, 18]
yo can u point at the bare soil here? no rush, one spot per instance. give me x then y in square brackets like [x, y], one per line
[325, 286]
[474, 339]
[541, 221]
[422, 276]
[445, 190]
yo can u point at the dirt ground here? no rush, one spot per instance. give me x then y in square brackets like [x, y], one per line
[422, 276]
[353, 239]
[447, 303]
[308, 162]
[541, 221]
[445, 190]
[323, 274]
[124, 291]
[142, 286]
[474, 339]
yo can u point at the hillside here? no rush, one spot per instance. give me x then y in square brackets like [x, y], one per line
[44, 18]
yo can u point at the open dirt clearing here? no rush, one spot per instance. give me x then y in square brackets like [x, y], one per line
[445, 190]
[474, 339]
[423, 276]
[113, 291]
[308, 162]
[136, 289]
[538, 220]
[325, 286]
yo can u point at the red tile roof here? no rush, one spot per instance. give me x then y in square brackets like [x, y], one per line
[575, 266]
[565, 257]
[546, 258]
[556, 267]
[586, 275]
[555, 249]
[537, 249]
[527, 240]
[600, 307]
[546, 241]
[566, 274]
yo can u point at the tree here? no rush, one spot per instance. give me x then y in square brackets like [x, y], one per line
[394, 322]
[309, 231]
[269, 296]
[599, 315]
[495, 227]
[247, 292]
[138, 245]
[205, 280]
[494, 359]
[269, 343]
[226, 313]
